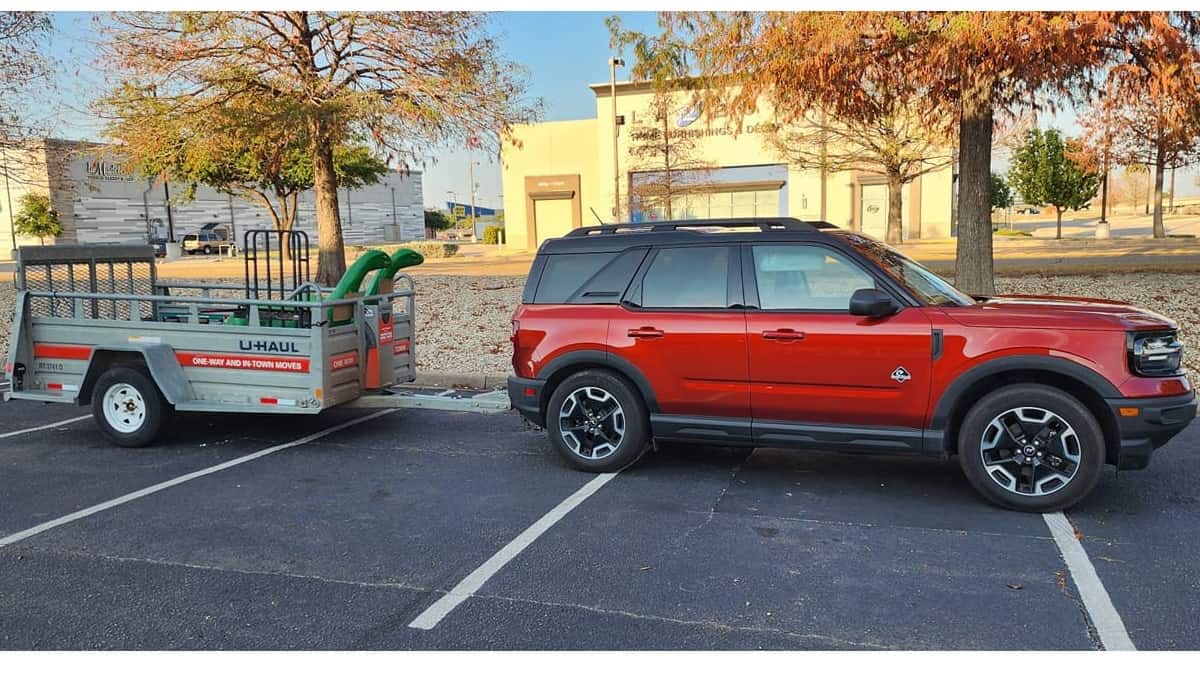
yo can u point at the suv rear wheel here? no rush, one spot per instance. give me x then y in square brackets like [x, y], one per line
[597, 422]
[1031, 447]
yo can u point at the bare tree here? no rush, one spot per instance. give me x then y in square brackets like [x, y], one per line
[665, 164]
[895, 144]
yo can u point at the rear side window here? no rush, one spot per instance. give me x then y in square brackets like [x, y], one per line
[587, 278]
[688, 277]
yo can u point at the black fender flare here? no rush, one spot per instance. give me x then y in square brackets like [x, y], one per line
[950, 398]
[595, 357]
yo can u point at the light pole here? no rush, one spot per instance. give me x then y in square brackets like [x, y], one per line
[1102, 228]
[453, 203]
[471, 181]
[613, 62]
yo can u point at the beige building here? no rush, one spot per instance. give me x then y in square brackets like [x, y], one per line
[560, 175]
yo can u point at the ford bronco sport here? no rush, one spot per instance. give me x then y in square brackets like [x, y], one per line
[785, 333]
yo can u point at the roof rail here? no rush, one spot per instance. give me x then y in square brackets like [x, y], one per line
[764, 224]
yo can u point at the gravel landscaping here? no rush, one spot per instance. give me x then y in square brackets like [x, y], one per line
[463, 322]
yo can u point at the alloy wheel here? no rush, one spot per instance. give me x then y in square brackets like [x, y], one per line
[1030, 451]
[591, 422]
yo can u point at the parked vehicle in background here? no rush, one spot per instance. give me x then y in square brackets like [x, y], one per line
[208, 240]
[160, 247]
[777, 332]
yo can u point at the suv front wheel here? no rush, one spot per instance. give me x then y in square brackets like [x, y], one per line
[597, 422]
[1031, 447]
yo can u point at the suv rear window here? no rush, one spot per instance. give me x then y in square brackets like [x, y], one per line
[696, 276]
[587, 278]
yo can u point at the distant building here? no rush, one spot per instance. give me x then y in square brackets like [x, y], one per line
[99, 200]
[560, 175]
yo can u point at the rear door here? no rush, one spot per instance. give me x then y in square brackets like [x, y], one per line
[682, 324]
[819, 375]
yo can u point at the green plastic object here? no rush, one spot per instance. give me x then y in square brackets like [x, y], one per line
[401, 258]
[351, 282]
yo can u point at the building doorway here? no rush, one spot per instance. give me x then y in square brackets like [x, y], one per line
[874, 210]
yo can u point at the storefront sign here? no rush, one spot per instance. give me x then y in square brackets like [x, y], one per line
[107, 169]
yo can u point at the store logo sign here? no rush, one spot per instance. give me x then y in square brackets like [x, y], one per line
[689, 114]
[100, 169]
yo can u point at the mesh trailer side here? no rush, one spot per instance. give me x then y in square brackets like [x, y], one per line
[118, 269]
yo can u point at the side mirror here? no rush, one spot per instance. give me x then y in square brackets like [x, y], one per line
[872, 302]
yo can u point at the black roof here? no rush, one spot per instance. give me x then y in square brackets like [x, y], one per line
[620, 236]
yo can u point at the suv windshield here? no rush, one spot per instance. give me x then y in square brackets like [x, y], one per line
[922, 283]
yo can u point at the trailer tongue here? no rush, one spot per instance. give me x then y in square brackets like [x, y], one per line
[93, 325]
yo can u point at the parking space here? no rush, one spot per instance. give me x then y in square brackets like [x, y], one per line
[344, 540]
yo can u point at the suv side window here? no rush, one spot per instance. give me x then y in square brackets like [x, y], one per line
[805, 277]
[691, 277]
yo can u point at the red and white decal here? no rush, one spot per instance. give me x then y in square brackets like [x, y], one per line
[271, 400]
[343, 360]
[385, 334]
[68, 352]
[401, 347]
[242, 362]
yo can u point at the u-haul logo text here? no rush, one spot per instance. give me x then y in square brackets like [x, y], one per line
[269, 346]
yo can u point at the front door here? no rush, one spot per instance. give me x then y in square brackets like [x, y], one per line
[819, 373]
[682, 325]
[874, 210]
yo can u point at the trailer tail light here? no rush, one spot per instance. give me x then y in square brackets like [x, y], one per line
[58, 386]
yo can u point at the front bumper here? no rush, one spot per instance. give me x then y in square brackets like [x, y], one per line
[526, 396]
[1157, 421]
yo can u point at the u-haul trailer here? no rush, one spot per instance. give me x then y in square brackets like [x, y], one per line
[92, 325]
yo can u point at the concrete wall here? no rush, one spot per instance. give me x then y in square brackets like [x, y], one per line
[551, 148]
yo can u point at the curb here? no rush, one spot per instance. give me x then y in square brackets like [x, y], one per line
[463, 380]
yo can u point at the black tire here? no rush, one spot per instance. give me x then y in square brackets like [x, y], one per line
[151, 411]
[1088, 445]
[633, 440]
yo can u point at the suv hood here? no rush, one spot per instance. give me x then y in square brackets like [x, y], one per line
[1063, 313]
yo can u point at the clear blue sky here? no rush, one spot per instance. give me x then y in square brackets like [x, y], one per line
[563, 52]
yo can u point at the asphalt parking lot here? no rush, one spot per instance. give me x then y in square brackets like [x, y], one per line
[347, 540]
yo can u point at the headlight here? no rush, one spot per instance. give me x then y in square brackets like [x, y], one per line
[1155, 354]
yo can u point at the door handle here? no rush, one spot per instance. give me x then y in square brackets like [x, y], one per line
[648, 332]
[783, 335]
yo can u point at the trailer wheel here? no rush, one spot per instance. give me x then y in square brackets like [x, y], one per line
[128, 407]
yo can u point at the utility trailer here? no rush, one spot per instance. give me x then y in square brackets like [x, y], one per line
[93, 325]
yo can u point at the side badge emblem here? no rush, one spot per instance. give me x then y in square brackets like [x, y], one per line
[901, 375]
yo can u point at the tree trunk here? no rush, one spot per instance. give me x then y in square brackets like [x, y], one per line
[1058, 216]
[1159, 167]
[331, 257]
[895, 224]
[973, 260]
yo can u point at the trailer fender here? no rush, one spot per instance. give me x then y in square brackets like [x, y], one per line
[159, 360]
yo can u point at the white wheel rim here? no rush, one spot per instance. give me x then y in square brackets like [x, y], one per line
[124, 408]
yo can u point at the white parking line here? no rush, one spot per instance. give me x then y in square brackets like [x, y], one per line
[1109, 626]
[52, 425]
[475, 580]
[158, 487]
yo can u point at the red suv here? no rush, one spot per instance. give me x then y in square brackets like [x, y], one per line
[784, 333]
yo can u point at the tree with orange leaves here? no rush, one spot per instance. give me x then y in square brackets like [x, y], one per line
[970, 64]
[1149, 114]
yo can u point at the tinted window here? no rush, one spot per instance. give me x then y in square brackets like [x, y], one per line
[806, 277]
[688, 277]
[564, 274]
